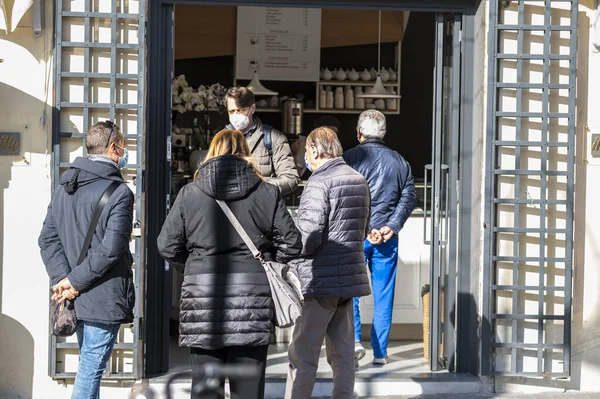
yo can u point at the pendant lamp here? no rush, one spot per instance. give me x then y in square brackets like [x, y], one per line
[255, 86]
[378, 91]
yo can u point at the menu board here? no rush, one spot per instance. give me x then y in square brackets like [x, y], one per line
[279, 43]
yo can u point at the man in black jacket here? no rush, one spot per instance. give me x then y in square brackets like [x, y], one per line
[333, 219]
[393, 198]
[102, 284]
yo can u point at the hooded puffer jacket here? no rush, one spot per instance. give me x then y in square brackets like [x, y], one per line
[225, 298]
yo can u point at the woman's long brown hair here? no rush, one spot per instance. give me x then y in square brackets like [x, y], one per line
[230, 142]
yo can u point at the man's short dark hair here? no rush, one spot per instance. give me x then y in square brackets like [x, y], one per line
[242, 96]
[100, 136]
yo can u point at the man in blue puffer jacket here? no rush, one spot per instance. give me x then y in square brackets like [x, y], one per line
[393, 198]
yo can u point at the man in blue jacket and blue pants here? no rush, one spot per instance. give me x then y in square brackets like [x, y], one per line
[393, 198]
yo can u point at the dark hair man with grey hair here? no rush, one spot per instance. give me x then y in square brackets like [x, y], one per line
[333, 219]
[393, 198]
[102, 283]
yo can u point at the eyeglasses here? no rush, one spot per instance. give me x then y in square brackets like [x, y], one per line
[112, 127]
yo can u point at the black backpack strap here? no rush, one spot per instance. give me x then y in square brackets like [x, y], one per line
[268, 143]
[97, 212]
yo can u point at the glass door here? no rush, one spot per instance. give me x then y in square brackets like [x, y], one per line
[444, 196]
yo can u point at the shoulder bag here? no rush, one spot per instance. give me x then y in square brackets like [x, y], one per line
[285, 285]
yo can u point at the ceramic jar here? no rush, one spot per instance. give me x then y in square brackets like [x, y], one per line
[385, 75]
[349, 98]
[326, 74]
[373, 73]
[353, 75]
[390, 103]
[365, 75]
[339, 98]
[329, 99]
[393, 75]
[340, 74]
[369, 101]
[359, 103]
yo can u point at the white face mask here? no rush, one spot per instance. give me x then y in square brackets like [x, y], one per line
[239, 121]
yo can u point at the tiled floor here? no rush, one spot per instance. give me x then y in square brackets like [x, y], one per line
[407, 374]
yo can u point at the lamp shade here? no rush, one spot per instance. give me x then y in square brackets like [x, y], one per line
[378, 91]
[258, 89]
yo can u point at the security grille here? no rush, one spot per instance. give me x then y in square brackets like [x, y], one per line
[99, 71]
[529, 188]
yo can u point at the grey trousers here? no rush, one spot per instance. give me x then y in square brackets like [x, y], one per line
[332, 319]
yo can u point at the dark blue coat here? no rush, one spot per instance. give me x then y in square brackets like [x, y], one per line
[104, 279]
[333, 216]
[393, 192]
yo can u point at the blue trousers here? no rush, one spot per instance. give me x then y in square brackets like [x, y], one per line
[96, 341]
[382, 261]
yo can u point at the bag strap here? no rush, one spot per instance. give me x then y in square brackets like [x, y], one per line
[95, 219]
[268, 140]
[238, 227]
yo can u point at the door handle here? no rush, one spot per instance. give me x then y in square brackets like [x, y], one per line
[445, 215]
[425, 240]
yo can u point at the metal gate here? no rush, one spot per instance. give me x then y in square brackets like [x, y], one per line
[99, 75]
[529, 188]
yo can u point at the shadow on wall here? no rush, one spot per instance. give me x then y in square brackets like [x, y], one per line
[16, 347]
[18, 110]
[16, 342]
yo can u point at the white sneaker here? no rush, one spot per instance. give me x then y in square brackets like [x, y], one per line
[359, 350]
[380, 361]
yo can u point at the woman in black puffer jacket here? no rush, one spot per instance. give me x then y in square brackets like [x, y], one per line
[226, 307]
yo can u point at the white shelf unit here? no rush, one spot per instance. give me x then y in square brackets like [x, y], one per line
[321, 84]
[365, 83]
[353, 83]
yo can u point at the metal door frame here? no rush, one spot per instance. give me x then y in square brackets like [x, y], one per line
[160, 44]
[492, 201]
[62, 132]
[444, 198]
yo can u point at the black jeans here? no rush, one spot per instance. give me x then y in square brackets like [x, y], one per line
[249, 388]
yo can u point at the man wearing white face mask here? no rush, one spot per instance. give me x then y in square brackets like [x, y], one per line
[85, 248]
[269, 146]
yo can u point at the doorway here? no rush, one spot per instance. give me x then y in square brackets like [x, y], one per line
[438, 220]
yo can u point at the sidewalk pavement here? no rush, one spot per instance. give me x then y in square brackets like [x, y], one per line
[566, 395]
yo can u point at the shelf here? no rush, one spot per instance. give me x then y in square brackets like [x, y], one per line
[347, 111]
[354, 83]
[274, 110]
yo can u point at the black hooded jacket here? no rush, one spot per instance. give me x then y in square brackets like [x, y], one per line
[225, 297]
[104, 279]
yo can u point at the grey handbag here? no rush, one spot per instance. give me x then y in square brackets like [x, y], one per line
[285, 285]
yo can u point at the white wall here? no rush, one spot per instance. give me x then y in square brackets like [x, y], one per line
[25, 187]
